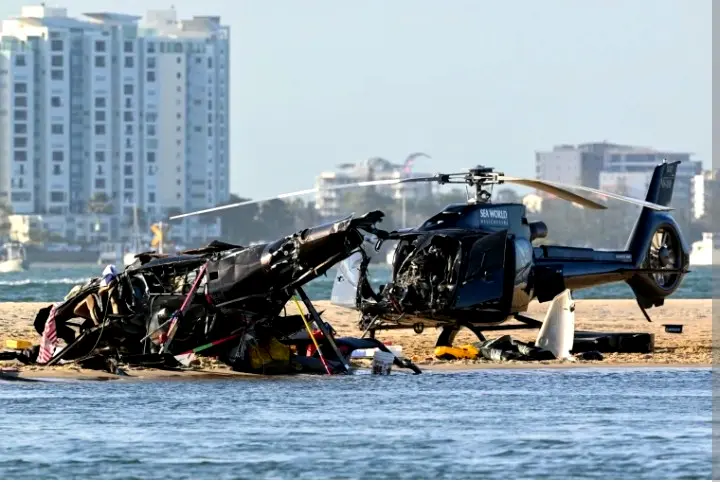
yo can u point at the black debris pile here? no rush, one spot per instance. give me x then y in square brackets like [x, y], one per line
[588, 346]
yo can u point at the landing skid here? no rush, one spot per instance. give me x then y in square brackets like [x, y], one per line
[449, 332]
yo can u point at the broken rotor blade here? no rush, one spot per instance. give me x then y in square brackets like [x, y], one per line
[551, 186]
[380, 182]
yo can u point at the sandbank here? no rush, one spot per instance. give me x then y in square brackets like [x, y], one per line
[692, 348]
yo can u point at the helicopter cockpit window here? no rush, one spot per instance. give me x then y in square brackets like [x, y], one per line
[445, 219]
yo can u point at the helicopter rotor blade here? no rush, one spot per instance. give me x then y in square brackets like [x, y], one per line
[562, 189]
[379, 182]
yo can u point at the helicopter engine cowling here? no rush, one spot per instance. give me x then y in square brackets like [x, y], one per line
[538, 230]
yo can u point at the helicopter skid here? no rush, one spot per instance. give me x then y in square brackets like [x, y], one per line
[418, 324]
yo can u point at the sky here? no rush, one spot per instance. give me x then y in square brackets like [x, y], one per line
[316, 83]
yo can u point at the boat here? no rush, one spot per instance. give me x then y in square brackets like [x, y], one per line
[110, 253]
[706, 252]
[13, 258]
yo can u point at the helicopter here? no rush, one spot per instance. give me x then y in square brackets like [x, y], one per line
[473, 265]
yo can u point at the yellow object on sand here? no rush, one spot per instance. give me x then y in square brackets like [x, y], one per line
[274, 352]
[467, 352]
[18, 344]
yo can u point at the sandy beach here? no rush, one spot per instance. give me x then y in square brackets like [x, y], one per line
[693, 347]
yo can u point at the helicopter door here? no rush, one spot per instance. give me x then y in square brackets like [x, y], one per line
[484, 278]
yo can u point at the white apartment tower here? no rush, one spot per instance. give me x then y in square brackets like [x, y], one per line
[111, 110]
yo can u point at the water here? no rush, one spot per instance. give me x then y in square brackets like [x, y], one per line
[490, 424]
[53, 283]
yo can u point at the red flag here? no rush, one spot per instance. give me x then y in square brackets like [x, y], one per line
[49, 338]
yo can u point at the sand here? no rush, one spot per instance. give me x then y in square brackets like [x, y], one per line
[691, 348]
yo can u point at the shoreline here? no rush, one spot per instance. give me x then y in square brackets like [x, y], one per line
[692, 348]
[155, 375]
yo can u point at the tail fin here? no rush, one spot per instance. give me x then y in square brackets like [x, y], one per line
[656, 243]
[662, 183]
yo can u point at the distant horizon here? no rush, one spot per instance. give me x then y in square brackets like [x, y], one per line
[318, 83]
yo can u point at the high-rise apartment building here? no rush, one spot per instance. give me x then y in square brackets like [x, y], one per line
[104, 114]
[329, 202]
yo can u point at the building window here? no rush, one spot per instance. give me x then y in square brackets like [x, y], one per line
[20, 101]
[128, 129]
[57, 196]
[99, 129]
[20, 156]
[100, 61]
[20, 115]
[57, 169]
[99, 156]
[20, 128]
[151, 157]
[55, 101]
[128, 89]
[151, 76]
[56, 45]
[100, 46]
[100, 183]
[56, 74]
[151, 197]
[20, 142]
[20, 61]
[20, 88]
[128, 170]
[100, 102]
[57, 129]
[179, 60]
[151, 47]
[99, 116]
[128, 46]
[128, 116]
[151, 63]
[58, 156]
[128, 157]
[128, 183]
[128, 103]
[129, 62]
[57, 61]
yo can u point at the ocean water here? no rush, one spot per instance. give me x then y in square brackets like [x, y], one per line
[48, 283]
[488, 424]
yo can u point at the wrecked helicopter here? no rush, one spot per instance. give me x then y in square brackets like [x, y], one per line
[224, 301]
[473, 265]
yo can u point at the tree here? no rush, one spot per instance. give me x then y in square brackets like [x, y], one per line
[100, 204]
[5, 212]
[239, 224]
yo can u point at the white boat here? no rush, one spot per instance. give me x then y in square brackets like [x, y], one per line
[110, 253]
[12, 258]
[707, 251]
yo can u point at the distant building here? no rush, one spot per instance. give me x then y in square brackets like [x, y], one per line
[102, 107]
[705, 189]
[571, 164]
[329, 202]
[616, 168]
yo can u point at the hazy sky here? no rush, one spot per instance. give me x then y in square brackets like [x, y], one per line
[320, 82]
